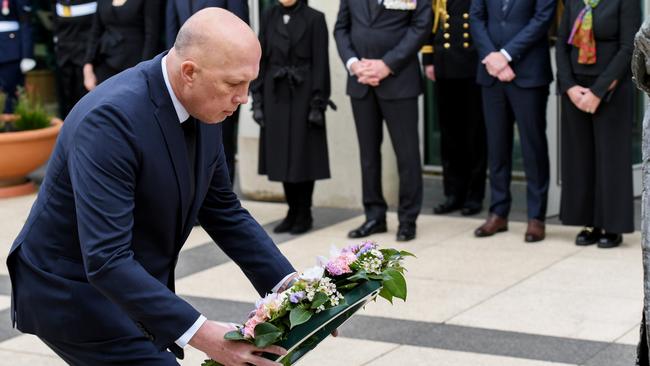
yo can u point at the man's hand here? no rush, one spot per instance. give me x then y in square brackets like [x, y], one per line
[370, 71]
[430, 72]
[495, 63]
[506, 75]
[209, 339]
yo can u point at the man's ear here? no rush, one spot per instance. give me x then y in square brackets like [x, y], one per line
[188, 72]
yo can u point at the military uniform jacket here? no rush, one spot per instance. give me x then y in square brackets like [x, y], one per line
[72, 22]
[450, 47]
[17, 44]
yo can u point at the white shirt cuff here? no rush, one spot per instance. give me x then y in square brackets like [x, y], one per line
[277, 287]
[349, 63]
[506, 54]
[185, 338]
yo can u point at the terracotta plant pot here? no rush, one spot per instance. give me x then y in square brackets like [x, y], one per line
[23, 152]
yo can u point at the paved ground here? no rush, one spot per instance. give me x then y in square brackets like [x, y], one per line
[494, 301]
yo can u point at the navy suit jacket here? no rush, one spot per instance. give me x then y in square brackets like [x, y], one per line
[522, 31]
[178, 11]
[95, 259]
[16, 45]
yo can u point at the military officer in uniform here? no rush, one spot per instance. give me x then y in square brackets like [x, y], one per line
[450, 59]
[72, 22]
[16, 47]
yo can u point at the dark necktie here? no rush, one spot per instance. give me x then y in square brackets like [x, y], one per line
[189, 131]
[504, 5]
[375, 6]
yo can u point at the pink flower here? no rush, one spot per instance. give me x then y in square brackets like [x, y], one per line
[341, 264]
[249, 327]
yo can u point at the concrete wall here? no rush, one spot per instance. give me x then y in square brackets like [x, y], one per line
[344, 188]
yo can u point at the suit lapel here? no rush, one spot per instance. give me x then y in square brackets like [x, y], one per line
[511, 4]
[376, 15]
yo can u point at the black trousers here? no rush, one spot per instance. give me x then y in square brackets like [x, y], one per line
[503, 104]
[462, 139]
[70, 86]
[10, 79]
[134, 350]
[401, 117]
[299, 195]
[597, 188]
[229, 132]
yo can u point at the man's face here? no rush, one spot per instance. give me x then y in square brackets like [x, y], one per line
[218, 91]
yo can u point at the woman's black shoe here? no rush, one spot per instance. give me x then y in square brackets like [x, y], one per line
[287, 224]
[610, 240]
[451, 204]
[588, 236]
[304, 223]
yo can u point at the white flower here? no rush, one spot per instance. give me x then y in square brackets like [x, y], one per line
[313, 274]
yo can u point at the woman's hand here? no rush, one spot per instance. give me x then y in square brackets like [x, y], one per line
[90, 81]
[589, 102]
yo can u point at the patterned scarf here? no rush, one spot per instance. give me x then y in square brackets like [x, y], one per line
[582, 34]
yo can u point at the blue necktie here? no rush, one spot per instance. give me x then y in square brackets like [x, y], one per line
[504, 5]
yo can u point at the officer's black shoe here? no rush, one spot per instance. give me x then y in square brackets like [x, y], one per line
[451, 204]
[588, 236]
[471, 208]
[286, 224]
[610, 240]
[406, 231]
[368, 228]
[304, 223]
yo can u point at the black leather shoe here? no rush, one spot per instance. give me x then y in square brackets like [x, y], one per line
[588, 236]
[286, 224]
[471, 208]
[368, 228]
[450, 205]
[406, 232]
[610, 240]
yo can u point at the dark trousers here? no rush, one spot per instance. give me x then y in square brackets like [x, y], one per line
[134, 350]
[299, 195]
[70, 86]
[229, 132]
[401, 117]
[10, 78]
[503, 104]
[462, 139]
[597, 188]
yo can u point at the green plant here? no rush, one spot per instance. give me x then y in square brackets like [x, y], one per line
[30, 112]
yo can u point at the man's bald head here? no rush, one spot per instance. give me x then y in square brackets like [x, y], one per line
[215, 57]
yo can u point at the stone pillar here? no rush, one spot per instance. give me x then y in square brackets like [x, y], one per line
[344, 188]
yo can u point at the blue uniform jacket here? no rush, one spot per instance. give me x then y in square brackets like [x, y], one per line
[16, 45]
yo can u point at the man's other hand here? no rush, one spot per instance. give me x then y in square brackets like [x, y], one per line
[506, 75]
[495, 63]
[209, 339]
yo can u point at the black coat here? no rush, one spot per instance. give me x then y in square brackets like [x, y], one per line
[71, 33]
[122, 36]
[294, 77]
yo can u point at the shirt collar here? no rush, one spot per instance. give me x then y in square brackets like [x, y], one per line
[181, 112]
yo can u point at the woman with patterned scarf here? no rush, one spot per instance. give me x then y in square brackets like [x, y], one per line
[594, 50]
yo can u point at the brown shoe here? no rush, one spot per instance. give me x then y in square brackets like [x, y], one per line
[536, 231]
[494, 224]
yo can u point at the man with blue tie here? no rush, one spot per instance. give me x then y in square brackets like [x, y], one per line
[138, 160]
[515, 73]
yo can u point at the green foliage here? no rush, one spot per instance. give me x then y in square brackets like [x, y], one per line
[319, 299]
[30, 111]
[266, 334]
[298, 315]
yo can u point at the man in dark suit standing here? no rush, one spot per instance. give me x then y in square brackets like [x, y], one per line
[138, 160]
[178, 11]
[515, 72]
[378, 41]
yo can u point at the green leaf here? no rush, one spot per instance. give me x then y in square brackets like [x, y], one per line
[266, 334]
[319, 299]
[234, 335]
[404, 253]
[396, 285]
[298, 316]
[359, 276]
[376, 277]
[211, 363]
[386, 294]
[348, 286]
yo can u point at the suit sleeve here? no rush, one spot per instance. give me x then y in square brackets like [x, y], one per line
[26, 40]
[92, 44]
[416, 35]
[171, 23]
[565, 79]
[239, 8]
[619, 67]
[320, 69]
[152, 16]
[238, 234]
[478, 19]
[536, 29]
[342, 32]
[103, 162]
[427, 50]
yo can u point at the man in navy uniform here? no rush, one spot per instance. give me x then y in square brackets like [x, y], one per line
[138, 160]
[178, 11]
[16, 47]
[515, 72]
[378, 41]
[72, 22]
[450, 60]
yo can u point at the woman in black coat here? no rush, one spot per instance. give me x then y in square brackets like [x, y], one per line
[123, 33]
[594, 80]
[289, 101]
